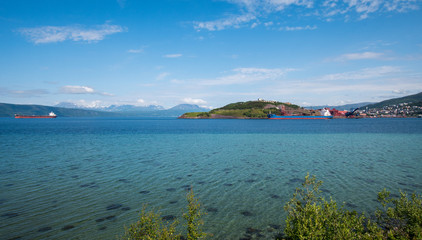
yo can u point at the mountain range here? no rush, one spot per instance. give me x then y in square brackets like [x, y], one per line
[66, 109]
[140, 111]
[9, 110]
[112, 108]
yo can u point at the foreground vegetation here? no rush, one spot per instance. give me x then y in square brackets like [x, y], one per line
[151, 225]
[309, 216]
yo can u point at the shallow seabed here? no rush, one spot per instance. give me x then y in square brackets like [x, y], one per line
[74, 178]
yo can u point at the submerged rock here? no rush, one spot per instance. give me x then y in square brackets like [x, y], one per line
[44, 229]
[251, 230]
[295, 180]
[10, 215]
[16, 238]
[168, 217]
[246, 213]
[275, 196]
[275, 226]
[67, 227]
[252, 233]
[114, 206]
[212, 210]
[90, 185]
[351, 205]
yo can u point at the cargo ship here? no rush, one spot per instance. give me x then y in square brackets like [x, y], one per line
[324, 112]
[51, 115]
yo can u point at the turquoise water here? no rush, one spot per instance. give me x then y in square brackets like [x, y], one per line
[85, 178]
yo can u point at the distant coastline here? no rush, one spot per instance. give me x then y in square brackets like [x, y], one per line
[408, 106]
[405, 107]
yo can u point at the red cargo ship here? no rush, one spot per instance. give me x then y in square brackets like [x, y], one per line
[51, 115]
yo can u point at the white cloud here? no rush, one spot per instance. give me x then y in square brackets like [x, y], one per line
[50, 34]
[363, 8]
[247, 75]
[121, 3]
[139, 50]
[360, 56]
[176, 55]
[401, 91]
[194, 101]
[233, 21]
[251, 10]
[307, 27]
[163, 75]
[81, 90]
[177, 81]
[270, 5]
[23, 93]
[366, 73]
[77, 90]
[140, 101]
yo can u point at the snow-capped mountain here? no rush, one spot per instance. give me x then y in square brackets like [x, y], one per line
[113, 108]
[132, 110]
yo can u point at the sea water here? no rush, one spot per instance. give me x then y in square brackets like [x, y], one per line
[87, 178]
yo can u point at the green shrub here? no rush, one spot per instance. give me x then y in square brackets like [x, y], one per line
[312, 217]
[150, 226]
[193, 217]
[402, 217]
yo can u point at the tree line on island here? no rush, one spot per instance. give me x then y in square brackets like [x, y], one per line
[252, 110]
[309, 216]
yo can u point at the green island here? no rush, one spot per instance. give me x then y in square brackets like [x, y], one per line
[251, 110]
[309, 216]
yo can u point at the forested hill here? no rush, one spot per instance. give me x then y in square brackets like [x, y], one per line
[416, 98]
[9, 110]
[251, 110]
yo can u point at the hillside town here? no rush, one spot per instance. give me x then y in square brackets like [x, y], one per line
[400, 110]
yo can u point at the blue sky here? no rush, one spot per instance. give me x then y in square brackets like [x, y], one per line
[209, 53]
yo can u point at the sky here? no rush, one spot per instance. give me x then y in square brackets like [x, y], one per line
[209, 52]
